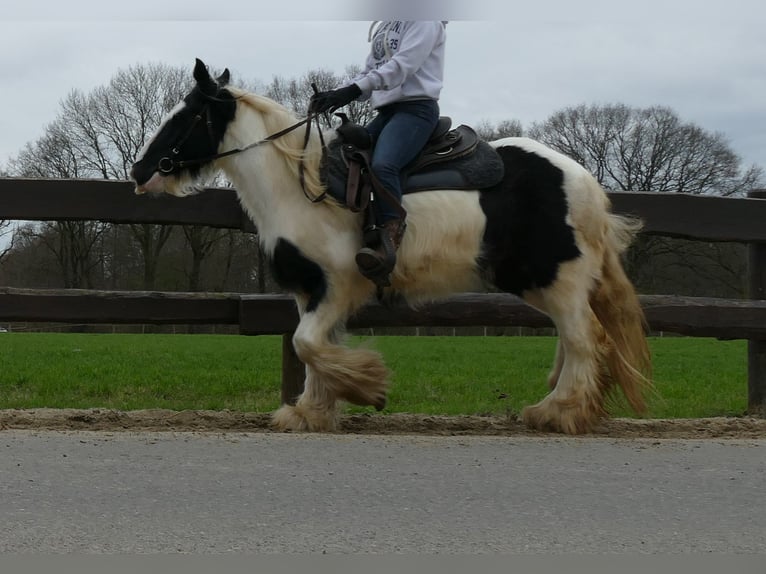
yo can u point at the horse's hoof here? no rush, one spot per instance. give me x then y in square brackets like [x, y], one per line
[381, 404]
[300, 418]
[551, 416]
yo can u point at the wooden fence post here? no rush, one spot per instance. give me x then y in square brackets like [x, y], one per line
[756, 349]
[293, 371]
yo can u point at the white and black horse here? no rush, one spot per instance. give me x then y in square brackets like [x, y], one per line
[544, 232]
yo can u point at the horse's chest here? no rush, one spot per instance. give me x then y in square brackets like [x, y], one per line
[295, 272]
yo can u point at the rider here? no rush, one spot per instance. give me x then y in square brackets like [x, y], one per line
[402, 78]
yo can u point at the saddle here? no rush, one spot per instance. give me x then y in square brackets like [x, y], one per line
[451, 159]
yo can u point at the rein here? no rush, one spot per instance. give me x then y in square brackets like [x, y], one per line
[168, 165]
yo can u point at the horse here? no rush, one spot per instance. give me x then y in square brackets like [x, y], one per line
[544, 232]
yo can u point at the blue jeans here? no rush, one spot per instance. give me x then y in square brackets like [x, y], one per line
[399, 133]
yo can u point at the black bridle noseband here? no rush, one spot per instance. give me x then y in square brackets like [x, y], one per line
[168, 164]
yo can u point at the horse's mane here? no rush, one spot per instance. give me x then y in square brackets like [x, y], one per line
[276, 117]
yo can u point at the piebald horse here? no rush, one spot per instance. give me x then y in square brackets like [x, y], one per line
[544, 232]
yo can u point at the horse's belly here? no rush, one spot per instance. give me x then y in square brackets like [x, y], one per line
[441, 245]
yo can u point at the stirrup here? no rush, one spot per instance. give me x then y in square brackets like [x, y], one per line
[377, 263]
[375, 266]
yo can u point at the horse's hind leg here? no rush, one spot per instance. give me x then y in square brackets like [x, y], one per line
[333, 372]
[558, 364]
[537, 299]
[576, 401]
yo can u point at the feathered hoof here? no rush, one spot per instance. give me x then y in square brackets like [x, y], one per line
[374, 394]
[303, 418]
[568, 417]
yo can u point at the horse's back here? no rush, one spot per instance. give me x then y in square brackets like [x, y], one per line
[538, 148]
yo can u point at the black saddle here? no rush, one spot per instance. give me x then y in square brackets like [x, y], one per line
[451, 159]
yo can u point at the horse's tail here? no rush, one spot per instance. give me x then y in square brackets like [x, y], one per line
[616, 305]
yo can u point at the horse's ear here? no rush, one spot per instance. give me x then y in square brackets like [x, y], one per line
[202, 76]
[224, 78]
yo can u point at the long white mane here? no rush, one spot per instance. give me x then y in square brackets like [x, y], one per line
[276, 117]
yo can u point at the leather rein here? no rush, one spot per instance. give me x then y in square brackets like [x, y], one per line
[169, 164]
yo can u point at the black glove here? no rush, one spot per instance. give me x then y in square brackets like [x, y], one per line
[332, 100]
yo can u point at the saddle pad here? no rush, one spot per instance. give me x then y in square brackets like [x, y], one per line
[480, 169]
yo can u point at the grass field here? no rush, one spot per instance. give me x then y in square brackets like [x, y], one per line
[431, 375]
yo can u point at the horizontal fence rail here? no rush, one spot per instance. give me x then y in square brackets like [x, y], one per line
[695, 217]
[700, 217]
[115, 202]
[705, 218]
[118, 307]
[271, 314]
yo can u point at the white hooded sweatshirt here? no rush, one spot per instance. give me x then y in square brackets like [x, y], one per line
[406, 62]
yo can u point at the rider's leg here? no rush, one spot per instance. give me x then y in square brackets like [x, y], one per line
[408, 127]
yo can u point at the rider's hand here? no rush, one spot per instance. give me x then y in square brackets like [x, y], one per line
[332, 100]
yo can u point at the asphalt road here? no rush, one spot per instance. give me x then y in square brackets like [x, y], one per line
[112, 493]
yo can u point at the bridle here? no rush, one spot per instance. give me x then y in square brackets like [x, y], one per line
[168, 164]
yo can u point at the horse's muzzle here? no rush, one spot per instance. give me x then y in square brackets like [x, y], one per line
[154, 184]
[143, 178]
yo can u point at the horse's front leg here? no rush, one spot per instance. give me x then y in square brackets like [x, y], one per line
[333, 372]
[315, 409]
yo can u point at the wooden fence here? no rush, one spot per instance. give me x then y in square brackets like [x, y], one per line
[676, 215]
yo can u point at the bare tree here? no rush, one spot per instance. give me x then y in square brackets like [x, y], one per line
[295, 93]
[201, 240]
[27, 265]
[73, 244]
[54, 154]
[6, 243]
[504, 129]
[649, 149]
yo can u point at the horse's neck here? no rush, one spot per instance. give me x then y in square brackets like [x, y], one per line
[263, 194]
[268, 189]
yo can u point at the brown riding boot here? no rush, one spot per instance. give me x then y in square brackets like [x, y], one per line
[378, 263]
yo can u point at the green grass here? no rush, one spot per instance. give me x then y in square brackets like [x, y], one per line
[139, 371]
[431, 375]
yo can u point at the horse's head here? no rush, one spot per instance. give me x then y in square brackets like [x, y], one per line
[177, 156]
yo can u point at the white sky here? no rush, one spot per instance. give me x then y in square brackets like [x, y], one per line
[705, 59]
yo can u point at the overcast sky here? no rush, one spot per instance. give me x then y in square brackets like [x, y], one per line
[705, 59]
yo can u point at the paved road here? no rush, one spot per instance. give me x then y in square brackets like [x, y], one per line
[185, 492]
